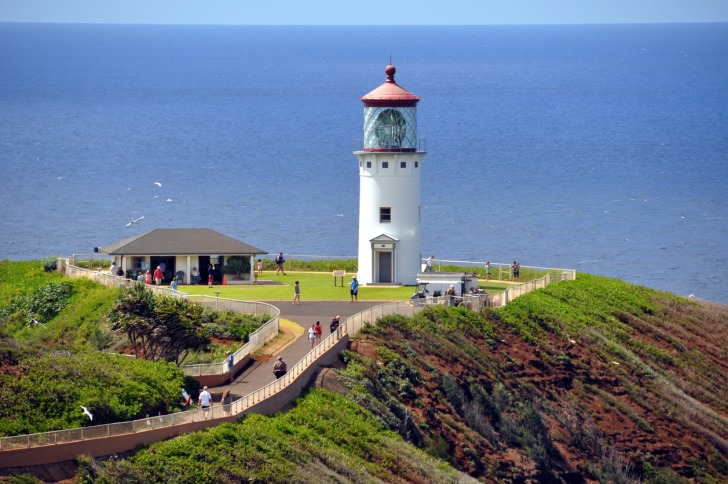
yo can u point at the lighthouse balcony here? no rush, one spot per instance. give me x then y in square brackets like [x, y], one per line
[383, 147]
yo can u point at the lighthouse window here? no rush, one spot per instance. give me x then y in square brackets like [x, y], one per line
[403, 164]
[369, 164]
[385, 214]
[417, 164]
[385, 164]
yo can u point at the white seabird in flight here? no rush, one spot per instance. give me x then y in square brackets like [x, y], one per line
[135, 221]
[86, 412]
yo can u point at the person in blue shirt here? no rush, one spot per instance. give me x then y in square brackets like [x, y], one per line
[354, 289]
[279, 262]
[230, 364]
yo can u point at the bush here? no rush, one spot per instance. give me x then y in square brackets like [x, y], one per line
[47, 391]
[49, 264]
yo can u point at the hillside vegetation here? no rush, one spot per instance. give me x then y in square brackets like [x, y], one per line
[590, 380]
[60, 345]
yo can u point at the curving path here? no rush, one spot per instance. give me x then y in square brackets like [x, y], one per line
[260, 371]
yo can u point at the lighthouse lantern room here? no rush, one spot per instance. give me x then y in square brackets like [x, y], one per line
[389, 187]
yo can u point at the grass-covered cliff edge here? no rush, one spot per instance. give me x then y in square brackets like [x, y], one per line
[590, 380]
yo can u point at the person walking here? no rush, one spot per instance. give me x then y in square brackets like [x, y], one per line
[205, 402]
[279, 368]
[158, 276]
[335, 323]
[487, 271]
[354, 291]
[279, 262]
[296, 293]
[230, 364]
[260, 266]
[225, 401]
[312, 336]
[428, 263]
[317, 331]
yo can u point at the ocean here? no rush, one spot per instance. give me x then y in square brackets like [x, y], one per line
[602, 148]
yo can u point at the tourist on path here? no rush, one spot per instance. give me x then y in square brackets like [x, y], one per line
[335, 322]
[260, 266]
[158, 276]
[312, 336]
[205, 402]
[487, 271]
[317, 331]
[279, 262]
[428, 263]
[279, 368]
[296, 293]
[230, 364]
[354, 289]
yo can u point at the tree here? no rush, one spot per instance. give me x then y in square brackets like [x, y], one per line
[159, 327]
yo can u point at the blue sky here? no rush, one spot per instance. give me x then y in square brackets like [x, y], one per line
[371, 12]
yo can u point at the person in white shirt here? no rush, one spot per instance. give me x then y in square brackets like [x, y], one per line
[428, 263]
[205, 402]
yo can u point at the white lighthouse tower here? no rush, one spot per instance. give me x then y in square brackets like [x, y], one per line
[389, 187]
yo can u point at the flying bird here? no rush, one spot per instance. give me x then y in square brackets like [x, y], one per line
[159, 184]
[135, 221]
[86, 412]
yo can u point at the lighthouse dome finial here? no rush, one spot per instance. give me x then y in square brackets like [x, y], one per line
[390, 70]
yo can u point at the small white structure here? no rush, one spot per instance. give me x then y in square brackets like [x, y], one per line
[389, 187]
[439, 282]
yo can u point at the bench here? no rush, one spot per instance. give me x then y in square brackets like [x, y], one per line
[341, 274]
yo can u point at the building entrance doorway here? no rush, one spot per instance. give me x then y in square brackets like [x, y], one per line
[211, 265]
[383, 266]
[166, 263]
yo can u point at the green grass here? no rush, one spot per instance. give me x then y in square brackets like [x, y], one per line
[315, 286]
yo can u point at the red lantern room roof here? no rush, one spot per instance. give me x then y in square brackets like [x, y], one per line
[390, 94]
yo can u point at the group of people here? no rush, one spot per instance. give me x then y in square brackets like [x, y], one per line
[116, 271]
[314, 332]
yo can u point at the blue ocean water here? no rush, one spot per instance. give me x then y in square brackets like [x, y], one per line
[600, 148]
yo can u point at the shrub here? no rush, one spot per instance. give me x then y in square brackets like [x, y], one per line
[49, 264]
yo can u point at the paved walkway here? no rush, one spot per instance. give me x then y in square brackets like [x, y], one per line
[293, 348]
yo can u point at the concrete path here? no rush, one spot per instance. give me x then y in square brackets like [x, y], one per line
[260, 371]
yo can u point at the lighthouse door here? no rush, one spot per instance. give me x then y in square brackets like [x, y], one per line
[384, 266]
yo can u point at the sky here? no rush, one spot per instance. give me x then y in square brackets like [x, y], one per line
[371, 12]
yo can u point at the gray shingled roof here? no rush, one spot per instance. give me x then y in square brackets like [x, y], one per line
[181, 242]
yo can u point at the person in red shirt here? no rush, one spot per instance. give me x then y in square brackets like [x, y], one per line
[158, 276]
[317, 331]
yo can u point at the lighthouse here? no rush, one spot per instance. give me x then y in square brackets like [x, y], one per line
[389, 186]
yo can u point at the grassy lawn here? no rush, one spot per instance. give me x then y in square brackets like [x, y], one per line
[315, 286]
